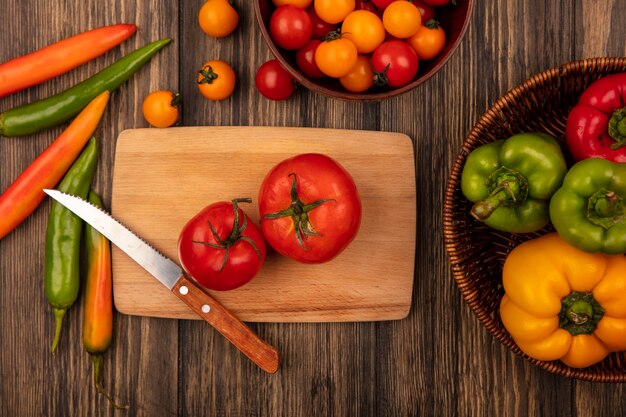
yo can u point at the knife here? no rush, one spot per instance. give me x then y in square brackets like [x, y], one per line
[172, 276]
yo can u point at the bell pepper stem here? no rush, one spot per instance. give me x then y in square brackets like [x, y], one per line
[59, 313]
[485, 208]
[617, 128]
[580, 313]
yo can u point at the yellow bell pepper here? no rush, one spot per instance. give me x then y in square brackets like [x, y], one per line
[561, 303]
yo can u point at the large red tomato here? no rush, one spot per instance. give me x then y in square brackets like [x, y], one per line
[310, 208]
[220, 247]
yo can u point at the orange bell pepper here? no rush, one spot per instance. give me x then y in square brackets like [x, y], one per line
[561, 303]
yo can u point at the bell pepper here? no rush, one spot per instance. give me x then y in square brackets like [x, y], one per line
[589, 209]
[561, 303]
[596, 126]
[511, 181]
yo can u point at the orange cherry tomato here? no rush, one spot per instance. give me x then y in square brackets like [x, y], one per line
[336, 57]
[364, 29]
[160, 108]
[218, 18]
[429, 40]
[402, 19]
[303, 4]
[361, 76]
[216, 80]
[333, 11]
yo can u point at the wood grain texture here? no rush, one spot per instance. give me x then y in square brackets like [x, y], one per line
[165, 177]
[439, 361]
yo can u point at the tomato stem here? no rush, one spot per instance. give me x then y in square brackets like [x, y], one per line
[380, 78]
[208, 75]
[176, 100]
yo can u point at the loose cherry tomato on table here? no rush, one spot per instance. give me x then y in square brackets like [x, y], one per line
[220, 247]
[310, 208]
[290, 27]
[429, 40]
[218, 18]
[333, 11]
[160, 108]
[320, 28]
[402, 19]
[274, 82]
[426, 10]
[394, 63]
[336, 56]
[360, 78]
[216, 80]
[305, 59]
[303, 4]
[364, 29]
[382, 4]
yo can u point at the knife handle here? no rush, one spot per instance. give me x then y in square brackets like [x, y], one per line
[233, 329]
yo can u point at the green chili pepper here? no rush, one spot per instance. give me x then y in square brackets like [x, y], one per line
[511, 181]
[589, 210]
[55, 110]
[62, 267]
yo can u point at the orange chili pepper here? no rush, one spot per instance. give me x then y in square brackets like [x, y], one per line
[58, 58]
[24, 195]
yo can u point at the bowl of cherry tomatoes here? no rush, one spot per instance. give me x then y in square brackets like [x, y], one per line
[362, 49]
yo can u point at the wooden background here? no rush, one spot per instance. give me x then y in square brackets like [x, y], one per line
[439, 361]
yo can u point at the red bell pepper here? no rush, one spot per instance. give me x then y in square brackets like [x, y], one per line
[58, 58]
[596, 126]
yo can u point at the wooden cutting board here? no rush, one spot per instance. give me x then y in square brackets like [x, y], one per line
[163, 177]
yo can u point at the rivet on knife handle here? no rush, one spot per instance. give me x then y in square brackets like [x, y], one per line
[233, 329]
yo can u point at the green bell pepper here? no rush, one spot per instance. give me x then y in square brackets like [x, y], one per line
[511, 181]
[589, 210]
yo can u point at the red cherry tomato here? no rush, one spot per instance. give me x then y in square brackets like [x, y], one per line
[366, 5]
[395, 64]
[305, 58]
[437, 2]
[290, 27]
[274, 82]
[320, 28]
[220, 247]
[310, 208]
[426, 10]
[382, 4]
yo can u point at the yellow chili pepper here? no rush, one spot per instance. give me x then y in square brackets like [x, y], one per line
[561, 303]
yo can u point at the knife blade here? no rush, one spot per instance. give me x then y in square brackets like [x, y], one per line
[173, 277]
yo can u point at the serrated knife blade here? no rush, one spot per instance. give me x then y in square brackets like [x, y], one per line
[172, 276]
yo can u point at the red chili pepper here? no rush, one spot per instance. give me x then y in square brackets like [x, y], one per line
[58, 58]
[596, 126]
[24, 195]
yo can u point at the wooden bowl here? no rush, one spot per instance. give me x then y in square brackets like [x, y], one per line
[477, 253]
[454, 20]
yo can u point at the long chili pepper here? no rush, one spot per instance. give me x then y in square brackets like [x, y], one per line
[58, 58]
[62, 263]
[24, 195]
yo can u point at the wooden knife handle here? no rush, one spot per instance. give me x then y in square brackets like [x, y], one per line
[233, 329]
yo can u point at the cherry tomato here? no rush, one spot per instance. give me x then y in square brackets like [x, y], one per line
[320, 28]
[426, 10]
[361, 77]
[160, 108]
[290, 27]
[336, 57]
[437, 2]
[310, 208]
[303, 4]
[366, 5]
[218, 18]
[333, 11]
[429, 40]
[394, 63]
[364, 29]
[402, 19]
[382, 4]
[305, 58]
[216, 80]
[274, 82]
[220, 247]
